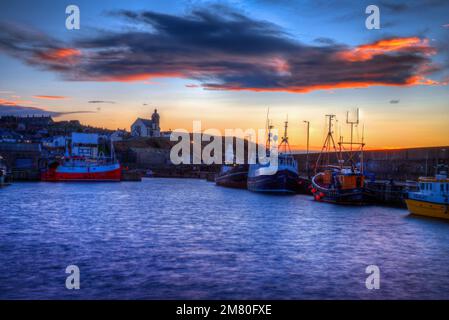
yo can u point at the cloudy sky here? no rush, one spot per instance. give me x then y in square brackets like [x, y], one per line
[225, 63]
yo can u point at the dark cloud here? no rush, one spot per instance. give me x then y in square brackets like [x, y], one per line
[395, 101]
[325, 41]
[222, 50]
[15, 110]
[394, 6]
[100, 101]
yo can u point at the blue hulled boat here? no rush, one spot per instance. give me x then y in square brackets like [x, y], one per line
[284, 180]
[232, 176]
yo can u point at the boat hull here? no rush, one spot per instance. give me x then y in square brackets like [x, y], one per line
[428, 209]
[351, 197]
[282, 182]
[232, 180]
[91, 173]
[340, 193]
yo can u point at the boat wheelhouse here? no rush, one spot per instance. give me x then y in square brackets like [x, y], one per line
[432, 198]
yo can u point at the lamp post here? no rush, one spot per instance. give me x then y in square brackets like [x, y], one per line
[307, 152]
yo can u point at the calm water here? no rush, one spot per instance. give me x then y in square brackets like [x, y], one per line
[190, 239]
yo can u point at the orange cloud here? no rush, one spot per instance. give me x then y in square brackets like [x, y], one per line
[60, 54]
[49, 97]
[368, 51]
[7, 102]
[140, 77]
[411, 81]
[279, 64]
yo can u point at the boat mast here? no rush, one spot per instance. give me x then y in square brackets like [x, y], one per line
[329, 142]
[267, 129]
[269, 126]
[112, 151]
[284, 141]
[352, 123]
[307, 152]
[361, 152]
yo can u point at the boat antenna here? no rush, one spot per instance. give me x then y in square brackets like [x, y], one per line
[351, 143]
[352, 123]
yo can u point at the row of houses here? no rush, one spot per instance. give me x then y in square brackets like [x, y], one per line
[53, 134]
[26, 143]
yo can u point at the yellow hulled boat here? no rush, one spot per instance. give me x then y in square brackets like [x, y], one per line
[432, 198]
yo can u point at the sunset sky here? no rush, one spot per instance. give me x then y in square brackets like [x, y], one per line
[225, 64]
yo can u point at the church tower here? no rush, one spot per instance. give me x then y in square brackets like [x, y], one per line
[155, 119]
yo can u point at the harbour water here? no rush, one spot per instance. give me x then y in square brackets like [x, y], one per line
[189, 239]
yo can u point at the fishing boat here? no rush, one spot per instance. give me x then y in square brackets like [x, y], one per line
[343, 182]
[232, 176]
[339, 185]
[432, 198]
[83, 162]
[285, 179]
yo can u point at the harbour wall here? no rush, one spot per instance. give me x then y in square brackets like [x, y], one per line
[25, 160]
[397, 164]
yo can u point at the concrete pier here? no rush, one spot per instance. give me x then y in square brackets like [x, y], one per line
[397, 164]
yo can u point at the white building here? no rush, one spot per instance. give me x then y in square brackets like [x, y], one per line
[85, 144]
[145, 127]
[55, 142]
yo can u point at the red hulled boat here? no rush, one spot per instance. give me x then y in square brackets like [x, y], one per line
[82, 162]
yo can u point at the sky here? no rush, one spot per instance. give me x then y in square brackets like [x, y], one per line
[225, 63]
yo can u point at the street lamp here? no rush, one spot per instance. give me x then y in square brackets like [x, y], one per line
[307, 152]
